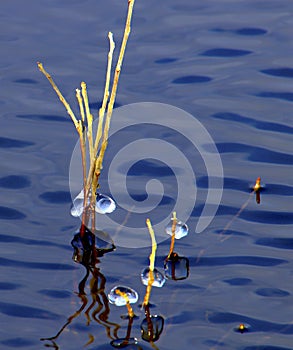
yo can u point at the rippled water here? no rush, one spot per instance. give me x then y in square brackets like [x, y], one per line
[228, 63]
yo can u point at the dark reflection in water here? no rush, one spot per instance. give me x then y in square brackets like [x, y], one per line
[234, 76]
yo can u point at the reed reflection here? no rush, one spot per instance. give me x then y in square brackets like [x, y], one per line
[88, 248]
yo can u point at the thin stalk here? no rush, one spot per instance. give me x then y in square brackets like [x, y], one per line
[114, 87]
[151, 265]
[61, 97]
[173, 230]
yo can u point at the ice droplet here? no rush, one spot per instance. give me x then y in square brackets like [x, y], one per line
[118, 300]
[159, 279]
[180, 231]
[104, 204]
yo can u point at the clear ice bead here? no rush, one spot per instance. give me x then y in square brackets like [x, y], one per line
[159, 279]
[119, 300]
[151, 328]
[176, 267]
[180, 231]
[104, 204]
[121, 343]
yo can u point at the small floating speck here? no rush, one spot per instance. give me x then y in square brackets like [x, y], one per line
[159, 279]
[118, 300]
[242, 328]
[180, 231]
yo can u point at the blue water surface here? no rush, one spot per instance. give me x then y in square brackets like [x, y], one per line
[227, 63]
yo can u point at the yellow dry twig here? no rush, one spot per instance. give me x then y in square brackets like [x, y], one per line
[91, 180]
[129, 308]
[61, 97]
[152, 263]
[114, 87]
[173, 230]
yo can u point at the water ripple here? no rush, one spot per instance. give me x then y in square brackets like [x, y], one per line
[10, 214]
[6, 142]
[9, 286]
[280, 243]
[17, 310]
[223, 52]
[287, 96]
[284, 72]
[191, 79]
[56, 197]
[30, 242]
[18, 342]
[49, 118]
[268, 217]
[271, 292]
[35, 265]
[58, 294]
[26, 81]
[261, 125]
[256, 324]
[238, 281]
[256, 154]
[15, 181]
[264, 347]
[250, 31]
[166, 60]
[238, 260]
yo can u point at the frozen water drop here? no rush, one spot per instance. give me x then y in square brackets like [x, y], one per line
[151, 328]
[176, 267]
[77, 205]
[104, 204]
[159, 279]
[125, 343]
[180, 231]
[118, 300]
